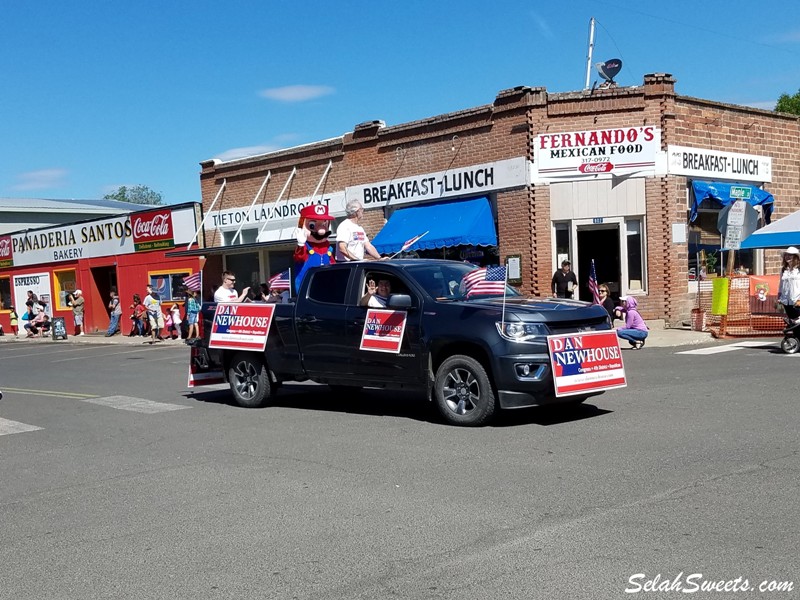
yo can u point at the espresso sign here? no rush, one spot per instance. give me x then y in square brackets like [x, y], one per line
[152, 230]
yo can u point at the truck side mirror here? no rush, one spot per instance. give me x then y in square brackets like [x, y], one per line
[399, 301]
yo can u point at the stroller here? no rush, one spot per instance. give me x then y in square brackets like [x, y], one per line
[790, 343]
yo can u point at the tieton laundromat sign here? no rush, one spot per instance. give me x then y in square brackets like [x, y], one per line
[597, 154]
[715, 164]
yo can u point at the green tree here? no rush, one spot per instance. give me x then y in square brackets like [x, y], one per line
[137, 194]
[789, 104]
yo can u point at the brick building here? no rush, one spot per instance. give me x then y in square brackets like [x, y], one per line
[611, 175]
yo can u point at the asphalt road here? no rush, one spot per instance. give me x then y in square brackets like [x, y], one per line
[135, 487]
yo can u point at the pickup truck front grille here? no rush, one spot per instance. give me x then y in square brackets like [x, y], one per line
[596, 324]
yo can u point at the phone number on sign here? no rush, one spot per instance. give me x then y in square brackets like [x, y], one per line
[696, 582]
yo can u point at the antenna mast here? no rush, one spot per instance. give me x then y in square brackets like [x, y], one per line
[589, 57]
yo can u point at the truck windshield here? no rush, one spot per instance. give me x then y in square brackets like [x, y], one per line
[446, 281]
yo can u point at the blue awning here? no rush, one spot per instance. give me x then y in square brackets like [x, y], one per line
[451, 223]
[725, 193]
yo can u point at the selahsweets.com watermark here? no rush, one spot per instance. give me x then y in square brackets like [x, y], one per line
[699, 582]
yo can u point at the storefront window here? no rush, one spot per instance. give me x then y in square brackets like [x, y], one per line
[65, 285]
[169, 285]
[247, 236]
[246, 268]
[562, 243]
[5, 293]
[633, 231]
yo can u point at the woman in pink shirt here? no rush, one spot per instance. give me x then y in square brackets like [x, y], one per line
[635, 330]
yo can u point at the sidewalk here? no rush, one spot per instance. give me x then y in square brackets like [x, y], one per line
[659, 337]
[90, 338]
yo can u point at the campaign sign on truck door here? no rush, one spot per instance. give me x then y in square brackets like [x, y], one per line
[586, 362]
[242, 326]
[383, 330]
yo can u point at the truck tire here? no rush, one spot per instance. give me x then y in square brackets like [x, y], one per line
[249, 380]
[463, 392]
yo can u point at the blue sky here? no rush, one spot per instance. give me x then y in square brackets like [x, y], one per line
[98, 95]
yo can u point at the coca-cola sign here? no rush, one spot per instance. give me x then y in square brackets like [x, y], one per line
[6, 251]
[152, 230]
[599, 167]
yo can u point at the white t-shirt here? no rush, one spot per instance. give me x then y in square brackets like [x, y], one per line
[789, 291]
[352, 234]
[376, 301]
[225, 295]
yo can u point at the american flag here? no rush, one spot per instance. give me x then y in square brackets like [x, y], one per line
[193, 282]
[486, 280]
[593, 284]
[281, 281]
[412, 241]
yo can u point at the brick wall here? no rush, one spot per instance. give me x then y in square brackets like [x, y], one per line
[504, 129]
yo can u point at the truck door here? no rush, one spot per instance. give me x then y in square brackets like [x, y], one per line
[404, 367]
[320, 319]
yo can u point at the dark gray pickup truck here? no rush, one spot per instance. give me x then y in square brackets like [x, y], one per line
[469, 354]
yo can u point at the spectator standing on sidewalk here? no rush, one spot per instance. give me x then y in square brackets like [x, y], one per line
[152, 304]
[789, 290]
[12, 315]
[115, 312]
[192, 312]
[564, 281]
[78, 304]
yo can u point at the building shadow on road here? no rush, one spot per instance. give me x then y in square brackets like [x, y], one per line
[399, 404]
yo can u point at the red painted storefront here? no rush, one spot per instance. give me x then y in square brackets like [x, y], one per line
[129, 267]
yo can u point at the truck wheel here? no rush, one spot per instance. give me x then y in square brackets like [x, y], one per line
[249, 380]
[464, 394]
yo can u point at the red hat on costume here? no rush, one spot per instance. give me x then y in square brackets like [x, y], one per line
[317, 212]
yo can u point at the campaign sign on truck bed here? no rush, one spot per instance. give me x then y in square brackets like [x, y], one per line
[586, 362]
[383, 330]
[241, 326]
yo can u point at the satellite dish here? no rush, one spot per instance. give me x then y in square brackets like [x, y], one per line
[609, 69]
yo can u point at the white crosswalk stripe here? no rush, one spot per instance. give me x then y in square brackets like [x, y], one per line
[730, 347]
[134, 404]
[7, 427]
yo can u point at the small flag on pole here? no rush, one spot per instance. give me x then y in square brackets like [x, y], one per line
[593, 284]
[413, 241]
[193, 282]
[281, 281]
[486, 280]
[409, 243]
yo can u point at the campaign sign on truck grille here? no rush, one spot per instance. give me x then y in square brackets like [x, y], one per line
[241, 326]
[586, 362]
[383, 330]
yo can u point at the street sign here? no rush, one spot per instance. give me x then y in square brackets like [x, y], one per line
[733, 237]
[736, 213]
[741, 191]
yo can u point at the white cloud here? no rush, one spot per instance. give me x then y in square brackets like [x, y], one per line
[235, 153]
[789, 37]
[544, 27]
[765, 104]
[296, 93]
[41, 180]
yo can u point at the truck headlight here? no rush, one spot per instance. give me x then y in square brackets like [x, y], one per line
[522, 332]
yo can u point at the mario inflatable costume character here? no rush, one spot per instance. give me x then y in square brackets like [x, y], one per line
[313, 248]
